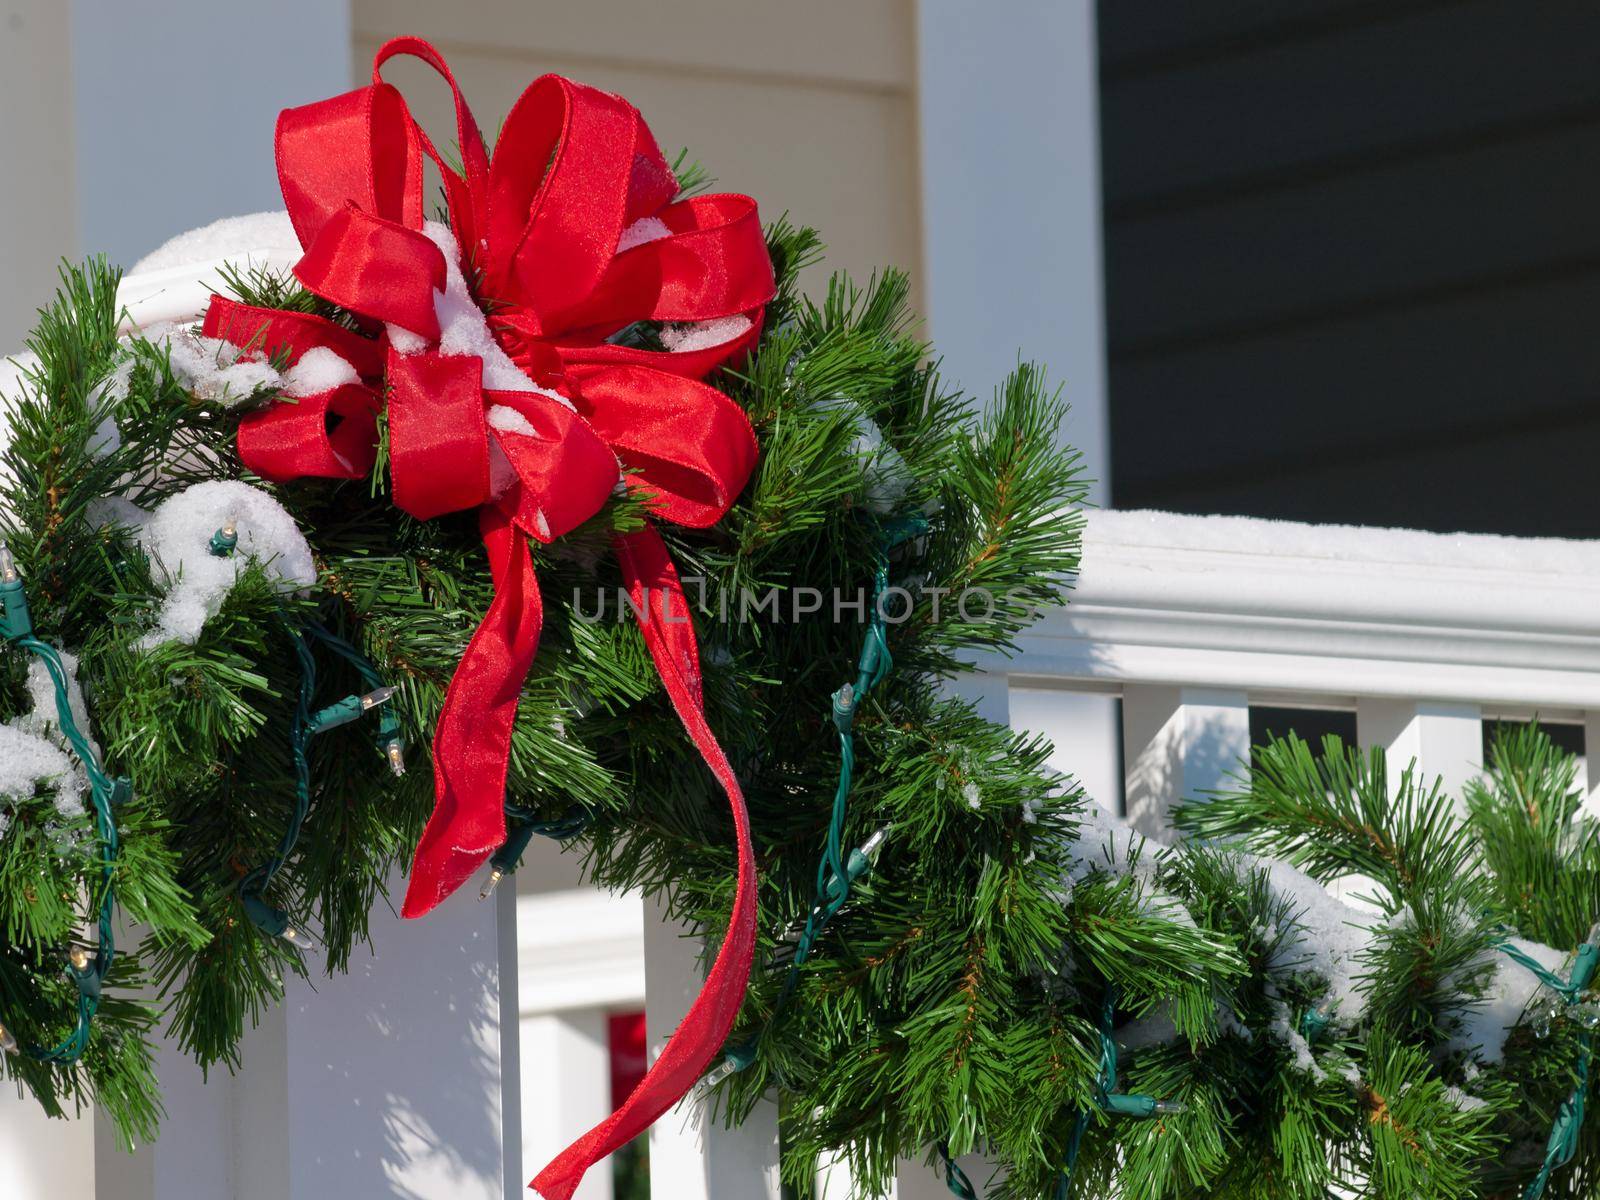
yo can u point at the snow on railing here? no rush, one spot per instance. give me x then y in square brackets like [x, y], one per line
[1190, 620]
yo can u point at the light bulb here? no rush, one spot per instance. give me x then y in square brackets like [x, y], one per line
[1585, 1014]
[1546, 1010]
[720, 1072]
[376, 697]
[489, 884]
[8, 1041]
[299, 938]
[396, 754]
[8, 565]
[1169, 1108]
[874, 844]
[230, 528]
[80, 958]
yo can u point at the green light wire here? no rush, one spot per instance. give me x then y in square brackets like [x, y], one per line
[1562, 1143]
[306, 724]
[16, 625]
[1107, 1099]
[837, 871]
[252, 888]
[954, 1177]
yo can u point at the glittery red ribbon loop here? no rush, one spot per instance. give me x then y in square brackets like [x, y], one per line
[575, 173]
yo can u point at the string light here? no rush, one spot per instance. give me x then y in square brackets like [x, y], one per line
[521, 826]
[268, 918]
[271, 920]
[838, 871]
[86, 968]
[1107, 1099]
[955, 1179]
[225, 539]
[1562, 1144]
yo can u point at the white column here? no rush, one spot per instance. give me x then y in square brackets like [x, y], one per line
[398, 1081]
[40, 226]
[1009, 131]
[693, 1157]
[173, 127]
[1179, 743]
[42, 1158]
[834, 1181]
[566, 1089]
[403, 1076]
[1590, 763]
[989, 692]
[1444, 740]
[1009, 124]
[1085, 737]
[134, 122]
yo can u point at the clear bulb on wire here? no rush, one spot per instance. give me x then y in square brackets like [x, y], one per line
[376, 697]
[8, 565]
[396, 754]
[8, 1041]
[297, 937]
[719, 1072]
[1585, 1014]
[1547, 1009]
[81, 958]
[492, 882]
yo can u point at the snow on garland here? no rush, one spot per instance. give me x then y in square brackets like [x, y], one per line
[177, 537]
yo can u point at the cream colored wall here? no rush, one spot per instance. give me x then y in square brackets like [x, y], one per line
[38, 216]
[808, 108]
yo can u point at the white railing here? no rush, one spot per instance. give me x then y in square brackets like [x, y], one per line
[1188, 621]
[405, 1079]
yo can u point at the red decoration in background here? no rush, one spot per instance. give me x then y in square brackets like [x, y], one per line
[625, 1035]
[539, 225]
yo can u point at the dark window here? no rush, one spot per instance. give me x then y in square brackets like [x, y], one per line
[1353, 260]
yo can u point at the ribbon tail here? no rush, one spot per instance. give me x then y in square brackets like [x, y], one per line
[473, 742]
[664, 617]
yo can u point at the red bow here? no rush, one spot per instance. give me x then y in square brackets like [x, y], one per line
[575, 177]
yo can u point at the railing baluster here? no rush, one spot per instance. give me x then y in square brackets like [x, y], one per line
[1591, 760]
[566, 1089]
[1082, 728]
[1444, 740]
[1179, 743]
[693, 1157]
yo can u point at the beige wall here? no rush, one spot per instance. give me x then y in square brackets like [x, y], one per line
[38, 216]
[807, 108]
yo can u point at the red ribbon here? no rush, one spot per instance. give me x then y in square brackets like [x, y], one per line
[539, 226]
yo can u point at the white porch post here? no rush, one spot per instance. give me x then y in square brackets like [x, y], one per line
[1444, 740]
[693, 1157]
[398, 1081]
[138, 124]
[1179, 743]
[1009, 133]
